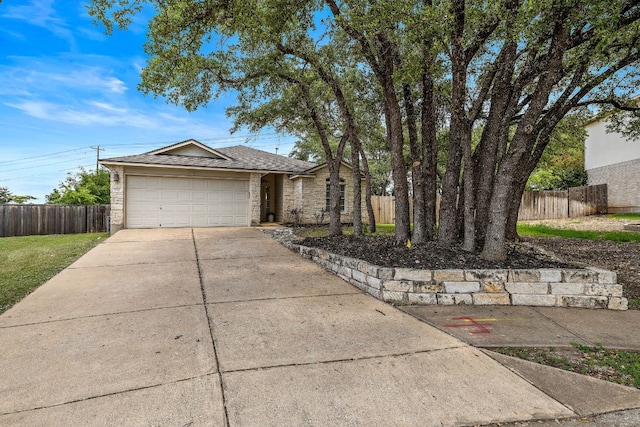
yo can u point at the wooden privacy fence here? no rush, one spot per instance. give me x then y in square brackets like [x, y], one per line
[384, 209]
[29, 220]
[571, 203]
[575, 202]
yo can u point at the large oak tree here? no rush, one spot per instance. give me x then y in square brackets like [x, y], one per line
[507, 72]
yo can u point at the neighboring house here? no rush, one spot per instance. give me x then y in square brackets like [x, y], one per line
[191, 185]
[611, 159]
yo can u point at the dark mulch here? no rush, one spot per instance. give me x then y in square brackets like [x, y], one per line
[382, 250]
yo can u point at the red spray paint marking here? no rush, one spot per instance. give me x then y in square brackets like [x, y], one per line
[480, 328]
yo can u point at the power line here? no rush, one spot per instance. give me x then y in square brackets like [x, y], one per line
[41, 155]
[264, 136]
[253, 139]
[219, 139]
[36, 175]
[46, 164]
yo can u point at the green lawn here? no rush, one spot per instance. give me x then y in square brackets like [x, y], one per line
[28, 262]
[629, 216]
[621, 366]
[523, 230]
[545, 231]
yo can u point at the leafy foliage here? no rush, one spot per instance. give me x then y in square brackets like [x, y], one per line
[562, 164]
[82, 188]
[7, 196]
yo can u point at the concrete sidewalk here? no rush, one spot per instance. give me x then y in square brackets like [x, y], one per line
[225, 327]
[506, 326]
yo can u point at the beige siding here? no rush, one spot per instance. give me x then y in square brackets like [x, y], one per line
[623, 184]
[603, 148]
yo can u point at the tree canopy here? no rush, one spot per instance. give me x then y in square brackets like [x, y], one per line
[7, 196]
[562, 163]
[82, 188]
[497, 78]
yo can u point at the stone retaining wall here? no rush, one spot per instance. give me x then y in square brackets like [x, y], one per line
[584, 288]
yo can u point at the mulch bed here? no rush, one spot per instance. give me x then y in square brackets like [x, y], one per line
[383, 251]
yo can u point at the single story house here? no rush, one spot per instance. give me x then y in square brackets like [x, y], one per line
[611, 159]
[189, 184]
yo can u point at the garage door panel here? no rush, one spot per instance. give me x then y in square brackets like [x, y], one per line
[153, 202]
[241, 185]
[226, 197]
[184, 195]
[227, 185]
[169, 195]
[199, 195]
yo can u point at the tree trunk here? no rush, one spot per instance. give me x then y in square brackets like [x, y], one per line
[417, 178]
[333, 162]
[429, 148]
[511, 232]
[367, 194]
[393, 120]
[335, 223]
[357, 183]
[469, 241]
[447, 232]
[494, 244]
[494, 137]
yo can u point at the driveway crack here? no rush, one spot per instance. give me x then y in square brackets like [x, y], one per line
[213, 341]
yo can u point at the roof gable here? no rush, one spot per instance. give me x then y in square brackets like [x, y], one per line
[192, 148]
[325, 165]
[193, 154]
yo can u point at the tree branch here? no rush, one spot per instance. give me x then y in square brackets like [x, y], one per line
[357, 35]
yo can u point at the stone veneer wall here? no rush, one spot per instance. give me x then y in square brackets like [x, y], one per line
[311, 193]
[584, 288]
[117, 199]
[254, 198]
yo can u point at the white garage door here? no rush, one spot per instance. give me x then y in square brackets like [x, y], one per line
[155, 202]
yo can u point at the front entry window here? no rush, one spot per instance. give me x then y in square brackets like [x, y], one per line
[267, 198]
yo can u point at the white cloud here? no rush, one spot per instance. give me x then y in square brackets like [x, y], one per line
[101, 114]
[107, 107]
[34, 76]
[90, 78]
[92, 113]
[41, 14]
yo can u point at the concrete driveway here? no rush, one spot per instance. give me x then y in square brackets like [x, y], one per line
[225, 327]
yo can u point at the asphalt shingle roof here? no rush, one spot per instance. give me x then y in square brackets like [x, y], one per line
[241, 158]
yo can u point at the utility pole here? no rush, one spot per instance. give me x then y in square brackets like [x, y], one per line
[98, 150]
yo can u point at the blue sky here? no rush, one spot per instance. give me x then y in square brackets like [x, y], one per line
[67, 87]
